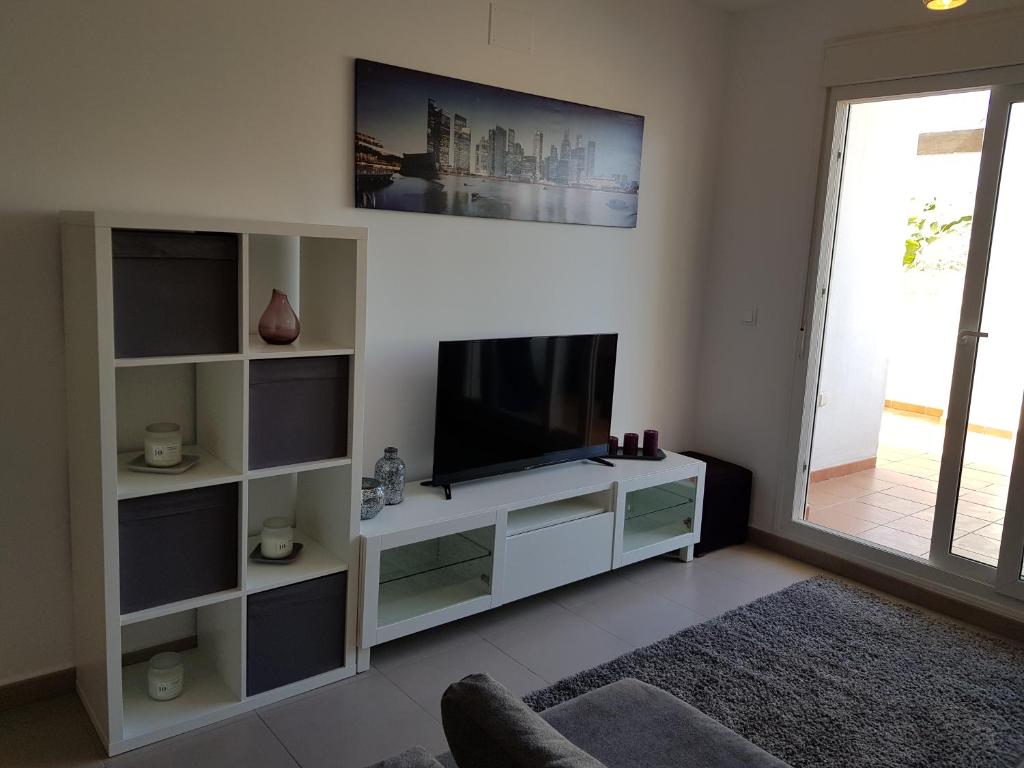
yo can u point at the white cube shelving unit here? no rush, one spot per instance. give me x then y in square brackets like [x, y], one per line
[112, 395]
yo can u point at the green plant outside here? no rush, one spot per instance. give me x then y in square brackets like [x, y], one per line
[926, 230]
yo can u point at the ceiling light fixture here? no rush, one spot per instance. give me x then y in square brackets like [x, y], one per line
[943, 5]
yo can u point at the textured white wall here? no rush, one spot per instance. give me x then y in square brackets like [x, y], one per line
[765, 193]
[866, 265]
[244, 108]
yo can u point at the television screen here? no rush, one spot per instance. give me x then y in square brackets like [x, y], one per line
[509, 404]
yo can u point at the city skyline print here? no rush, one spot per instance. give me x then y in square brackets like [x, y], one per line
[433, 144]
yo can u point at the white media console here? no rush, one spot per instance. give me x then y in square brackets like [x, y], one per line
[429, 561]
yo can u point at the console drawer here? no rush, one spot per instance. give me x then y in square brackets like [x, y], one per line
[550, 557]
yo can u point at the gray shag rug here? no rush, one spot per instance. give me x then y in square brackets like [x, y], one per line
[825, 674]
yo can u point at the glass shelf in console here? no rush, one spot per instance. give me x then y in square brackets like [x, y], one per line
[426, 576]
[659, 513]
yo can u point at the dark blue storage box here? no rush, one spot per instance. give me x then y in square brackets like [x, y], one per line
[298, 410]
[295, 632]
[175, 293]
[179, 545]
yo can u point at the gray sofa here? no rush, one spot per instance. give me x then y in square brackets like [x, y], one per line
[627, 724]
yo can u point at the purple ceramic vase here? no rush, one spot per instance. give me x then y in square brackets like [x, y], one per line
[279, 324]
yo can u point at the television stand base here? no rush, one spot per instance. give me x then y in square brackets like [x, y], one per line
[602, 462]
[444, 486]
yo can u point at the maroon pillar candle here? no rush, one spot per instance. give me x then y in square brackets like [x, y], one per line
[650, 442]
[613, 446]
[629, 443]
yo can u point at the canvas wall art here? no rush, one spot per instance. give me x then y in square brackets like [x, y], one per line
[434, 144]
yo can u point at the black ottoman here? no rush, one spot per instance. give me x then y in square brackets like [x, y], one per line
[727, 489]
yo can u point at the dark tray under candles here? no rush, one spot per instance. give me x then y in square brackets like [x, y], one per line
[659, 456]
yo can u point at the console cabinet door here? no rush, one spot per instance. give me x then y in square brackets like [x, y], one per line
[658, 514]
[422, 578]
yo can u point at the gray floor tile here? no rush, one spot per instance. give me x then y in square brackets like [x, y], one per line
[49, 734]
[242, 741]
[602, 587]
[758, 566]
[507, 616]
[352, 724]
[425, 680]
[554, 642]
[638, 616]
[708, 591]
[421, 645]
[646, 570]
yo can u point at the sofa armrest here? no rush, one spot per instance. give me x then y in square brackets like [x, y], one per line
[629, 723]
[488, 727]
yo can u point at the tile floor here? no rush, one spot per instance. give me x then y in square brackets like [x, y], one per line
[350, 724]
[894, 504]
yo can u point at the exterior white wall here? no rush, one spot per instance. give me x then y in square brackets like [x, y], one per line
[244, 108]
[928, 315]
[764, 207]
[866, 265]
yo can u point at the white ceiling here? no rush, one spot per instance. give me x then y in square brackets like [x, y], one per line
[736, 5]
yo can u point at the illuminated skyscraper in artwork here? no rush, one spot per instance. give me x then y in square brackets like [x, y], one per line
[439, 129]
[463, 143]
[538, 152]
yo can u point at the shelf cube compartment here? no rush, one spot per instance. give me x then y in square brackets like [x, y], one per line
[210, 642]
[659, 513]
[298, 410]
[205, 399]
[176, 546]
[175, 293]
[317, 503]
[319, 277]
[295, 632]
[426, 576]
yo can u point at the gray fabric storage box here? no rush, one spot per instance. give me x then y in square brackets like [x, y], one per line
[295, 632]
[174, 546]
[175, 293]
[298, 410]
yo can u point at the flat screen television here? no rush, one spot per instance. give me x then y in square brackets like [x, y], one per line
[505, 405]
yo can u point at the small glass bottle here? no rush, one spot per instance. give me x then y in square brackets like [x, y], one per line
[390, 470]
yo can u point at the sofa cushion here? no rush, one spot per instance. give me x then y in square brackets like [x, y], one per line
[629, 723]
[417, 757]
[488, 727]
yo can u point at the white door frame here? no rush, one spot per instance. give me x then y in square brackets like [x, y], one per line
[795, 463]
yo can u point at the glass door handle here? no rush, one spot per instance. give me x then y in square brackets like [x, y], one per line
[965, 335]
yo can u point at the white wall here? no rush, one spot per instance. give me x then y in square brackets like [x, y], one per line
[866, 263]
[244, 108]
[766, 181]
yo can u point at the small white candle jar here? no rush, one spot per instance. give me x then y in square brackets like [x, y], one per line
[163, 444]
[276, 538]
[165, 676]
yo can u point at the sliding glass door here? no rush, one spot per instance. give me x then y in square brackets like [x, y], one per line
[913, 354]
[988, 374]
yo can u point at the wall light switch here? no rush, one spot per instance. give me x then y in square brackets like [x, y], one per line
[822, 399]
[750, 316]
[511, 28]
